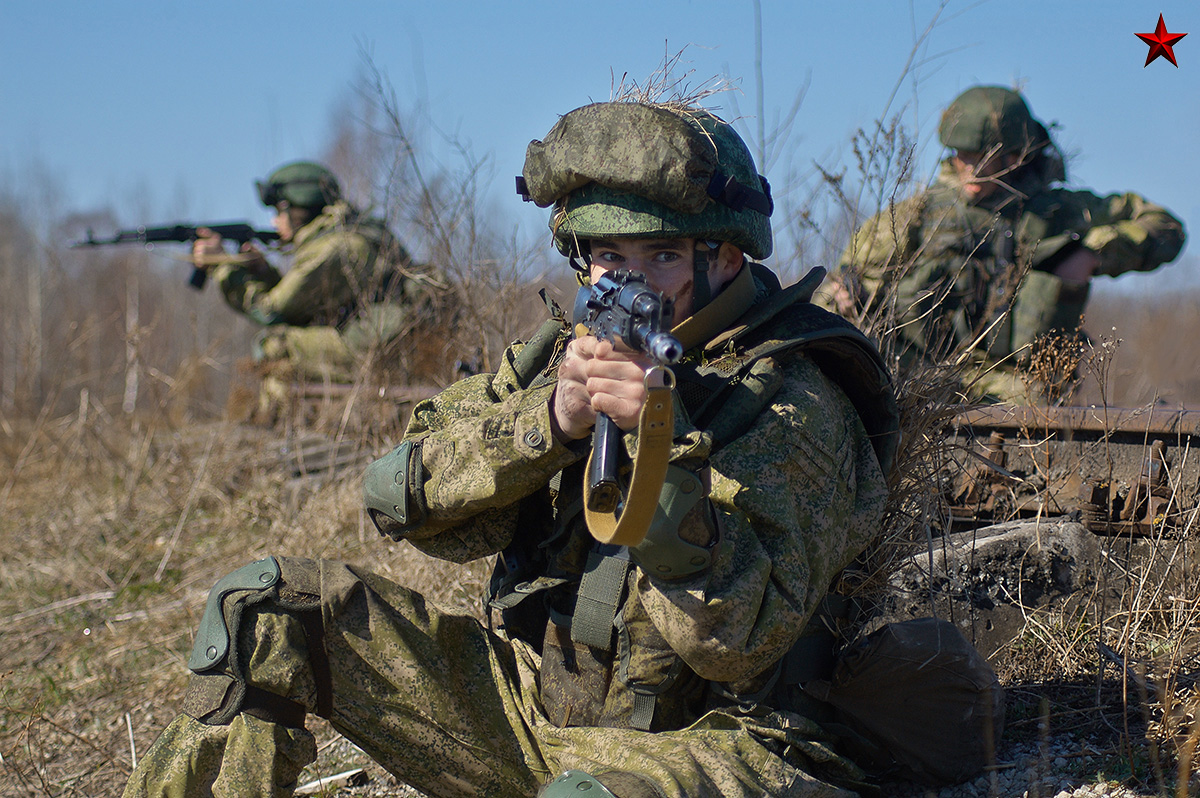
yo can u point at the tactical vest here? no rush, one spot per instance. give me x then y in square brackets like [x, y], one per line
[563, 594]
[984, 276]
[377, 283]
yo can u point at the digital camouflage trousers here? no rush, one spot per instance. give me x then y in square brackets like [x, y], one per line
[439, 701]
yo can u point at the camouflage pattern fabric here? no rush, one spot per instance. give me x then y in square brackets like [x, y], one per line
[796, 497]
[339, 301]
[459, 710]
[452, 709]
[249, 757]
[620, 169]
[953, 268]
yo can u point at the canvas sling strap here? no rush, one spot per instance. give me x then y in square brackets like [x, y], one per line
[599, 595]
[628, 523]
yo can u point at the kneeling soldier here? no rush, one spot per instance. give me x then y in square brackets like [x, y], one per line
[646, 669]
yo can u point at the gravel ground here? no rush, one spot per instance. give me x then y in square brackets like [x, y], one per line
[1058, 768]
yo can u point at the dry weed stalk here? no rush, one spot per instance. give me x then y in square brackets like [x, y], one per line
[669, 86]
[489, 299]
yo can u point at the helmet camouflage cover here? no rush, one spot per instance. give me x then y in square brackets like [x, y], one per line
[302, 183]
[991, 118]
[628, 169]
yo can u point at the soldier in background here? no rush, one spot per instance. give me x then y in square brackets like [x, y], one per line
[350, 293]
[994, 233]
[642, 671]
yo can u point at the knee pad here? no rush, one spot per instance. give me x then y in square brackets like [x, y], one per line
[218, 689]
[574, 783]
[216, 634]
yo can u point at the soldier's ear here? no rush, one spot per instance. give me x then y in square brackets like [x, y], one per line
[729, 262]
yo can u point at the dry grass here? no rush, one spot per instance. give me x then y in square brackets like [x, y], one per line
[113, 531]
[111, 538]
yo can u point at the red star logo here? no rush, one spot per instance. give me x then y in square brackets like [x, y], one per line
[1160, 43]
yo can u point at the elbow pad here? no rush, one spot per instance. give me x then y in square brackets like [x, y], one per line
[683, 536]
[391, 486]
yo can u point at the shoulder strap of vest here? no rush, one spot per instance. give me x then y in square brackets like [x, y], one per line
[788, 321]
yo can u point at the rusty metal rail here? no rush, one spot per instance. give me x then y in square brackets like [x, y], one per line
[1150, 421]
[1132, 471]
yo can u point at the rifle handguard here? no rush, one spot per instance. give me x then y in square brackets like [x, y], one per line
[604, 490]
[627, 523]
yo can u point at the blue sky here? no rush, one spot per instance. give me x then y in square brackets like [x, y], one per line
[161, 110]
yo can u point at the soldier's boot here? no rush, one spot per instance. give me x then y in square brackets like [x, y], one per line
[609, 784]
[248, 758]
[274, 395]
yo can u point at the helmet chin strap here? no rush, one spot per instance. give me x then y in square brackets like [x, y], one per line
[702, 258]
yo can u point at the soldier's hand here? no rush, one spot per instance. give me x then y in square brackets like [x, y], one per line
[841, 297]
[253, 259]
[207, 249]
[594, 377]
[1078, 267]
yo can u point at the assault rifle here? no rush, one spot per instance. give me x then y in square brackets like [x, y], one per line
[621, 306]
[241, 232]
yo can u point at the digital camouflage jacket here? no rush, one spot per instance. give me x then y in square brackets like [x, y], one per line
[339, 262]
[351, 294]
[796, 493]
[956, 267]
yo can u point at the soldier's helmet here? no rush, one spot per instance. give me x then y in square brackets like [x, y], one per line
[303, 184]
[991, 119]
[629, 169]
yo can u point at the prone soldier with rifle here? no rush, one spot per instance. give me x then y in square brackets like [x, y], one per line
[348, 295]
[348, 299]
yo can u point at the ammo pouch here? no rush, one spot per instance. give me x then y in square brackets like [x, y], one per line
[915, 700]
[1044, 304]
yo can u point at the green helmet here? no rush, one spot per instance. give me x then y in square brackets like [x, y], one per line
[302, 183]
[627, 169]
[987, 118]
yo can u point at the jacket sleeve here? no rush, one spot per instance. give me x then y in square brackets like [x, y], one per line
[242, 287]
[880, 247]
[484, 445]
[1128, 233]
[323, 276]
[797, 498]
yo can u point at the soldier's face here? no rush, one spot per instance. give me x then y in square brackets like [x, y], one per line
[288, 220]
[283, 222]
[980, 173]
[667, 265]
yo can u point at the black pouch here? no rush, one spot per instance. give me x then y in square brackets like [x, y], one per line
[915, 700]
